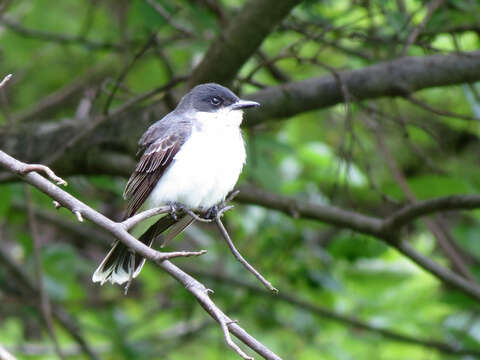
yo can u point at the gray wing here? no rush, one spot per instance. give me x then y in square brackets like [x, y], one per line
[159, 144]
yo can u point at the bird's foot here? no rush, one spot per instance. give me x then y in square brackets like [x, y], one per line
[217, 211]
[175, 209]
[212, 213]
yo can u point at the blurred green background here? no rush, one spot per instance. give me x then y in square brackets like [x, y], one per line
[337, 287]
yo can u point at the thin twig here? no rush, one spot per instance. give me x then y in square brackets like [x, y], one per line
[45, 169]
[78, 214]
[5, 79]
[151, 41]
[442, 240]
[436, 111]
[174, 254]
[240, 258]
[15, 26]
[432, 6]
[60, 97]
[44, 300]
[168, 18]
[5, 355]
[134, 220]
[418, 209]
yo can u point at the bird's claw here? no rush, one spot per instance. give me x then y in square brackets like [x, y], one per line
[174, 208]
[212, 213]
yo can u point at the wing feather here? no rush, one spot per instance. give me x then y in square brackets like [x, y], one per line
[160, 146]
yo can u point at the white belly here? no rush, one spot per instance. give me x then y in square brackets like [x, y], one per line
[205, 169]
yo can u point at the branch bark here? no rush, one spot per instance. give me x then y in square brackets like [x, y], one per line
[398, 77]
[368, 225]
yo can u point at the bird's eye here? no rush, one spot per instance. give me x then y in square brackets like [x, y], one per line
[216, 101]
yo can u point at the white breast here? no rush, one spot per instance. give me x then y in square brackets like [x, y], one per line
[207, 166]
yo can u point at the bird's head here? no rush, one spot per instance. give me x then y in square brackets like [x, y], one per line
[215, 102]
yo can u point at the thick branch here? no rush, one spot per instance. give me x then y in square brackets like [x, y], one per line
[361, 223]
[397, 77]
[392, 78]
[298, 208]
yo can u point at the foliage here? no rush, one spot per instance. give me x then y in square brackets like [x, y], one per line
[326, 156]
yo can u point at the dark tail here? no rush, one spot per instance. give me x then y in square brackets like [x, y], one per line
[122, 264]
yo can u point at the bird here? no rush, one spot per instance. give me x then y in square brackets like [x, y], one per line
[190, 159]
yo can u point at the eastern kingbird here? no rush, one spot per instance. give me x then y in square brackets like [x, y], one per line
[192, 157]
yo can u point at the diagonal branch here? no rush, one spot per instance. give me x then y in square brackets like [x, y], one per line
[161, 259]
[240, 258]
[432, 6]
[5, 80]
[5, 355]
[386, 230]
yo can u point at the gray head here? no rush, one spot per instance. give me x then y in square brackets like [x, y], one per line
[212, 97]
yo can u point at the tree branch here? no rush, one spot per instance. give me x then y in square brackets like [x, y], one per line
[198, 290]
[5, 80]
[364, 224]
[413, 211]
[240, 258]
[393, 78]
[432, 224]
[137, 218]
[432, 6]
[298, 208]
[5, 355]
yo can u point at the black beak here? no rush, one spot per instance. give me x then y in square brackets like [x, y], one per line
[244, 104]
